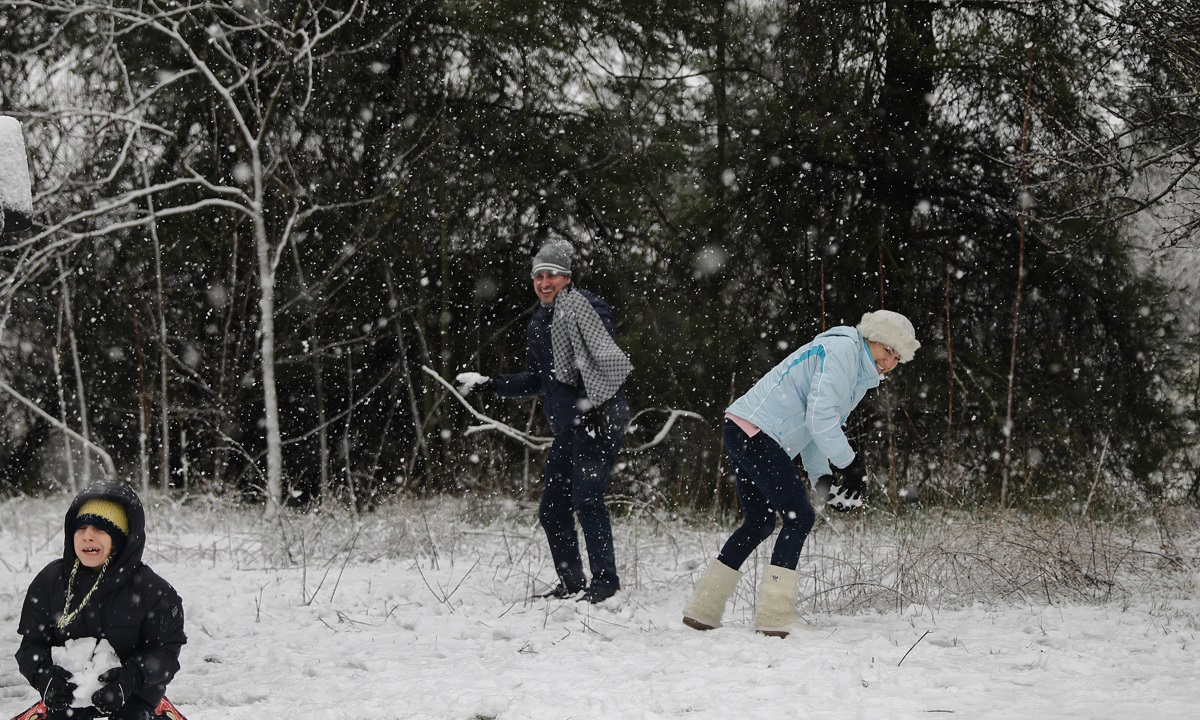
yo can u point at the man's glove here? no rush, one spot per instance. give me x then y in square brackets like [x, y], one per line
[851, 485]
[57, 689]
[594, 422]
[469, 381]
[119, 685]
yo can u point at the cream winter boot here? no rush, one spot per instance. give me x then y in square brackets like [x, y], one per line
[707, 605]
[775, 614]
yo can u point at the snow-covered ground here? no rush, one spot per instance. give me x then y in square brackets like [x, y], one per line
[422, 610]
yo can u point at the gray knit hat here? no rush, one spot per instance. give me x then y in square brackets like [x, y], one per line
[554, 257]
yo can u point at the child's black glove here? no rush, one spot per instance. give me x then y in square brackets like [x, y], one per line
[119, 685]
[57, 689]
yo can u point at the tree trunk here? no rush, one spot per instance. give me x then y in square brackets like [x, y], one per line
[1006, 468]
[68, 452]
[314, 353]
[421, 446]
[948, 474]
[164, 406]
[80, 390]
[266, 325]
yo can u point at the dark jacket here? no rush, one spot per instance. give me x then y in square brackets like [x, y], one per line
[561, 402]
[138, 612]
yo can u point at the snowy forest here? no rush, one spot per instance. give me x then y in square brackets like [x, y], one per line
[262, 227]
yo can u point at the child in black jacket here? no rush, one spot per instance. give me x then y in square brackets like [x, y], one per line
[101, 589]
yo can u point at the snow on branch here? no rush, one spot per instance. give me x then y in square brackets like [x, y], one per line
[489, 423]
[666, 428]
[88, 444]
[16, 201]
[541, 443]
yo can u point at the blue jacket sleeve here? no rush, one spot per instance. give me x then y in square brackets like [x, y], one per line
[815, 462]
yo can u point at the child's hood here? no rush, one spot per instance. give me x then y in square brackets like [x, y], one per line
[130, 556]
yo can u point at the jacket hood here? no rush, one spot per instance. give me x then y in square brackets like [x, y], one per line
[868, 374]
[129, 558]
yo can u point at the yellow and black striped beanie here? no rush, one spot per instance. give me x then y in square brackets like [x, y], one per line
[106, 515]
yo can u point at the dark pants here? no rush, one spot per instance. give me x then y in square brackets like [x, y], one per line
[135, 709]
[576, 476]
[767, 484]
[74, 713]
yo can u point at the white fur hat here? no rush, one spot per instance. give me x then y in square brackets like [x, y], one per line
[892, 329]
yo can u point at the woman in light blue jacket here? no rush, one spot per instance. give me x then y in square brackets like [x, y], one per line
[797, 409]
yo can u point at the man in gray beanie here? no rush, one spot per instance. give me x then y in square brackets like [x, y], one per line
[572, 360]
[797, 408]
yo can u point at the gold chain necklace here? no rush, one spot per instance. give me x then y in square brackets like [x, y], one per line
[67, 617]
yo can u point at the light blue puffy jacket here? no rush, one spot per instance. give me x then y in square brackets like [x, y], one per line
[803, 401]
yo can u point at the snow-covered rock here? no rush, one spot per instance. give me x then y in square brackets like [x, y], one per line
[16, 199]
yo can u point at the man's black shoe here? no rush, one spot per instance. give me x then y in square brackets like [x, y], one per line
[558, 592]
[598, 593]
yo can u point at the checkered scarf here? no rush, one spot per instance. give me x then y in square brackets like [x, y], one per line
[584, 349]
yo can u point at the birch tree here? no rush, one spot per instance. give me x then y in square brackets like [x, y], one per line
[250, 68]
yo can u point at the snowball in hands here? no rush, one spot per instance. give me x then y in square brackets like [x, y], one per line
[842, 499]
[468, 381]
[85, 659]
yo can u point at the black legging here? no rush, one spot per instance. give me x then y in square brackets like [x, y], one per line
[767, 484]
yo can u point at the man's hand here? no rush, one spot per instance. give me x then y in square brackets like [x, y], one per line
[470, 381]
[594, 422]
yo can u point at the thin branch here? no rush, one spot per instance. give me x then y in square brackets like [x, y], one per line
[918, 642]
[666, 428]
[533, 441]
[108, 461]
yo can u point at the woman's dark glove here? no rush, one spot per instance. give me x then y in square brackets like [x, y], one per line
[57, 689]
[851, 486]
